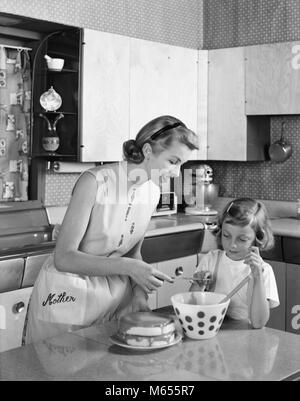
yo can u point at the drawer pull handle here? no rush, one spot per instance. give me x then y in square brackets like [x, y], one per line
[19, 307]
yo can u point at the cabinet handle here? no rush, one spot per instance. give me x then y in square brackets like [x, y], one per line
[178, 271]
[19, 307]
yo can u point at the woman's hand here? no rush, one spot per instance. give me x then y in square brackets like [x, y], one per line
[145, 275]
[254, 260]
[140, 304]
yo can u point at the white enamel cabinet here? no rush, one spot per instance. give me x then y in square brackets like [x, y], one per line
[163, 80]
[165, 292]
[13, 307]
[105, 96]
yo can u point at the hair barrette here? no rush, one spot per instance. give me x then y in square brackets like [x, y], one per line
[229, 207]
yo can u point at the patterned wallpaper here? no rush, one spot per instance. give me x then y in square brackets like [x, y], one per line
[177, 22]
[197, 24]
[229, 23]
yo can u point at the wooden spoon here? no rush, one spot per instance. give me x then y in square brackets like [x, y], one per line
[236, 289]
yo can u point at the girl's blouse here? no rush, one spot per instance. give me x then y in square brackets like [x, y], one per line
[230, 273]
[121, 213]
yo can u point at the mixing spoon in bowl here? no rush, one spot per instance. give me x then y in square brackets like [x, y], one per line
[236, 289]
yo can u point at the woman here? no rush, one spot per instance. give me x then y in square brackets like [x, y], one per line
[96, 272]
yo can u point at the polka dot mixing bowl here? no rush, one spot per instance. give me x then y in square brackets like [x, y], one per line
[199, 313]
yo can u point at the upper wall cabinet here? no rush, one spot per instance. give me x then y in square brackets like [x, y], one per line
[105, 96]
[163, 80]
[273, 79]
[202, 103]
[231, 134]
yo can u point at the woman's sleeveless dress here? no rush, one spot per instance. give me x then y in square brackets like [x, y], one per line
[62, 302]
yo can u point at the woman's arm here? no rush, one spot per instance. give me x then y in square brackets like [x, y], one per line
[68, 257]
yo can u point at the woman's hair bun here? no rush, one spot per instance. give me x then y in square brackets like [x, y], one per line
[132, 152]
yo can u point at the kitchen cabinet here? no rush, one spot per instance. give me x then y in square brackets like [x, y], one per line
[231, 134]
[11, 273]
[105, 96]
[164, 293]
[13, 307]
[202, 124]
[278, 315]
[163, 80]
[63, 121]
[33, 265]
[273, 79]
[293, 298]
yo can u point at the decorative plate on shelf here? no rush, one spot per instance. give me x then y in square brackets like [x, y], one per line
[50, 100]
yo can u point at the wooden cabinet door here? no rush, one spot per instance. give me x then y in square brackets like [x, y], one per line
[13, 307]
[163, 80]
[105, 96]
[273, 79]
[293, 298]
[277, 315]
[227, 123]
[165, 292]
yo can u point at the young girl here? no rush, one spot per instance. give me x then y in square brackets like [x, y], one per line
[244, 229]
[96, 272]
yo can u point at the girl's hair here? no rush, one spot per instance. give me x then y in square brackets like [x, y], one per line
[244, 211]
[160, 134]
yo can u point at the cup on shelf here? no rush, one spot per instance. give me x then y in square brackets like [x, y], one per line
[54, 64]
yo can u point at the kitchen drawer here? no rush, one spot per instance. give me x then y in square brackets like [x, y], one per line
[293, 298]
[278, 315]
[276, 253]
[169, 267]
[33, 266]
[171, 246]
[11, 273]
[291, 249]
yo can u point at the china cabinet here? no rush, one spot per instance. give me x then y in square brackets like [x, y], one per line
[55, 100]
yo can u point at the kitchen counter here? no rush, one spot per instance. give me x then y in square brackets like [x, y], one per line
[236, 353]
[180, 222]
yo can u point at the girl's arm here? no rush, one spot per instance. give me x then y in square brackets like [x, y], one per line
[259, 310]
[68, 257]
[259, 307]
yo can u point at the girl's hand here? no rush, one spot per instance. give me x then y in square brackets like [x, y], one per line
[145, 275]
[254, 260]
